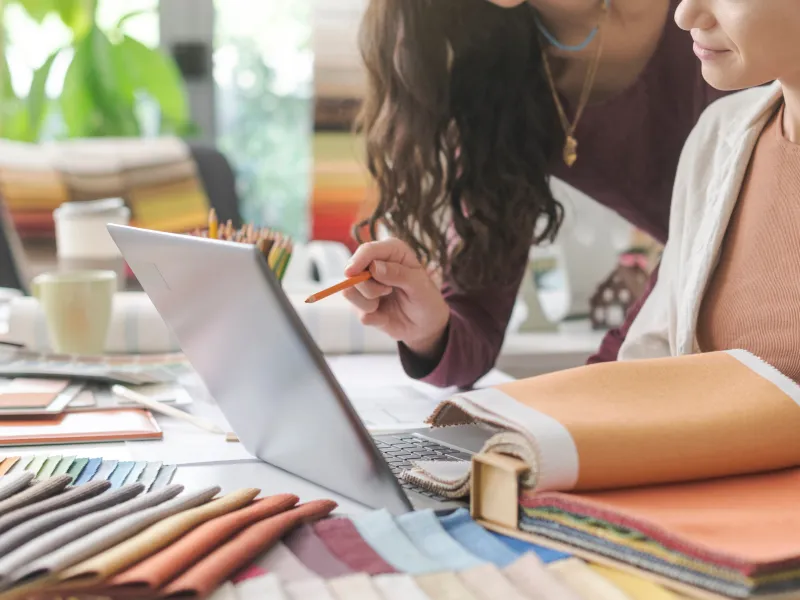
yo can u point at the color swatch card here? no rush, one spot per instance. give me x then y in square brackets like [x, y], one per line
[24, 396]
[82, 427]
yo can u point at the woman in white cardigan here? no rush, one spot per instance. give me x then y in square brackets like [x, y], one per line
[730, 273]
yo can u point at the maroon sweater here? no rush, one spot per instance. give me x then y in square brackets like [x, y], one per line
[629, 148]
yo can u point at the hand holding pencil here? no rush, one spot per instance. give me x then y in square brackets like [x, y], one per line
[392, 291]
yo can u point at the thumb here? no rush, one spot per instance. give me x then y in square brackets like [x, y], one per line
[396, 275]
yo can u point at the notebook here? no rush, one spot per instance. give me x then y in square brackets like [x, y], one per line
[80, 427]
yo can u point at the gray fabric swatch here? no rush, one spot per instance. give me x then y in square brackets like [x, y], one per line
[111, 534]
[24, 533]
[37, 492]
[149, 474]
[69, 532]
[106, 469]
[11, 484]
[164, 477]
[68, 498]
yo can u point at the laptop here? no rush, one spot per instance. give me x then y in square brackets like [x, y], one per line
[244, 339]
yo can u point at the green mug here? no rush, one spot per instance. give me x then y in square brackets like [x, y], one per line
[77, 308]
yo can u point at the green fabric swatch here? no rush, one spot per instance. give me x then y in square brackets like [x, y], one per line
[36, 464]
[76, 468]
[46, 472]
[63, 465]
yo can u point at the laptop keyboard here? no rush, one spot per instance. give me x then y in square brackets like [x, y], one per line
[399, 450]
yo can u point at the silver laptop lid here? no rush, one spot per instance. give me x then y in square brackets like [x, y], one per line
[250, 348]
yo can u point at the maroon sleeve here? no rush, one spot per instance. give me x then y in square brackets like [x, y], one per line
[475, 334]
[612, 342]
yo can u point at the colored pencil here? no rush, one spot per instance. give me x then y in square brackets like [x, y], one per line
[343, 285]
[213, 224]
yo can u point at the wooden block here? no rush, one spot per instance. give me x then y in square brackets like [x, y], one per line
[495, 489]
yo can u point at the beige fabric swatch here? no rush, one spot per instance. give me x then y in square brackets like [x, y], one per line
[353, 587]
[586, 582]
[309, 589]
[398, 586]
[487, 582]
[226, 591]
[282, 562]
[154, 538]
[267, 587]
[529, 575]
[444, 586]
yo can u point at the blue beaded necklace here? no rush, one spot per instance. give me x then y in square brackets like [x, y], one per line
[576, 48]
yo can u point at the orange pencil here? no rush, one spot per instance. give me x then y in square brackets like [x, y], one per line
[343, 285]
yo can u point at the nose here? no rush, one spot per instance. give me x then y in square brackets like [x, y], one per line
[694, 14]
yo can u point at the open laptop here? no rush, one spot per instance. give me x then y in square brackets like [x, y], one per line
[243, 337]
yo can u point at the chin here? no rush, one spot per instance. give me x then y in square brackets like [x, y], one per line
[724, 80]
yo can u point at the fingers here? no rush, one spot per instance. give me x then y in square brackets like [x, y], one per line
[397, 276]
[390, 251]
[372, 289]
[363, 304]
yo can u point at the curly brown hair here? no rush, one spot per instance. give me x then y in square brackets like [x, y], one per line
[460, 126]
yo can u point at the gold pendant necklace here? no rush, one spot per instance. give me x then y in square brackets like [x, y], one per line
[570, 151]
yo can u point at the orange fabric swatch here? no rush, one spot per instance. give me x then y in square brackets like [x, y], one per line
[160, 568]
[207, 574]
[7, 463]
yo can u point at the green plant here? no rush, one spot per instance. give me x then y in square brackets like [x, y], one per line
[106, 78]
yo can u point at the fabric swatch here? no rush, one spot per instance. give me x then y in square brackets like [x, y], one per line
[636, 588]
[35, 493]
[120, 474]
[165, 475]
[283, 563]
[58, 501]
[529, 575]
[343, 540]
[310, 589]
[49, 467]
[132, 550]
[89, 471]
[155, 571]
[149, 474]
[63, 465]
[73, 530]
[521, 547]
[105, 469]
[314, 554]
[487, 582]
[7, 464]
[267, 587]
[380, 531]
[477, 540]
[113, 533]
[76, 469]
[136, 472]
[444, 586]
[22, 463]
[205, 575]
[354, 587]
[29, 530]
[227, 591]
[36, 464]
[426, 533]
[396, 586]
[11, 484]
[249, 573]
[585, 582]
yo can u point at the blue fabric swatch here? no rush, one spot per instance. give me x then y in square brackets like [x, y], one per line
[106, 469]
[476, 539]
[164, 477]
[136, 472]
[423, 529]
[521, 547]
[380, 531]
[120, 474]
[88, 471]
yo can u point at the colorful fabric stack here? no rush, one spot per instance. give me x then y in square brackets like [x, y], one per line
[157, 178]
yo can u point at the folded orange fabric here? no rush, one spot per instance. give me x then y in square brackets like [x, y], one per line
[160, 568]
[206, 575]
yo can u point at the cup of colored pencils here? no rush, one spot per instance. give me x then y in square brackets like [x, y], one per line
[276, 247]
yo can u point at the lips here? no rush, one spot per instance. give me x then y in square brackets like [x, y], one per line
[708, 53]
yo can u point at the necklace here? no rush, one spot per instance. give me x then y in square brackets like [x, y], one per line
[570, 152]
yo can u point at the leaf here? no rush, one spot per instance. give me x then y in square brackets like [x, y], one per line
[157, 74]
[131, 15]
[37, 97]
[77, 106]
[37, 9]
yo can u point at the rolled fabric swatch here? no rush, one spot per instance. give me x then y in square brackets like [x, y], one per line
[154, 572]
[397, 586]
[310, 589]
[343, 540]
[585, 582]
[426, 533]
[202, 578]
[36, 493]
[63, 500]
[313, 553]
[75, 529]
[11, 484]
[444, 586]
[27, 531]
[110, 534]
[102, 566]
[532, 578]
[379, 530]
[476, 539]
[487, 582]
[354, 587]
[282, 562]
